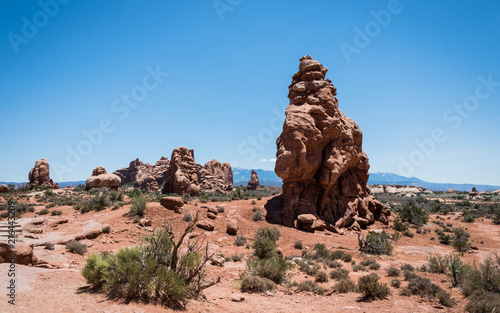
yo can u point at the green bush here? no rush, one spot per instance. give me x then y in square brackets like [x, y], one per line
[482, 302]
[106, 229]
[188, 217]
[398, 226]
[252, 283]
[369, 286]
[444, 239]
[359, 268]
[274, 268]
[396, 283]
[138, 206]
[298, 245]
[153, 270]
[345, 285]
[424, 288]
[393, 272]
[264, 247]
[413, 213]
[376, 243]
[43, 212]
[56, 212]
[437, 264]
[49, 246]
[321, 277]
[270, 232]
[76, 247]
[240, 241]
[460, 242]
[371, 264]
[310, 286]
[339, 274]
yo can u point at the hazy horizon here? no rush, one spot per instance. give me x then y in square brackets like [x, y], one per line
[102, 83]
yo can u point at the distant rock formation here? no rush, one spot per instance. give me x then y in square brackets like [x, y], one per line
[216, 177]
[144, 175]
[4, 188]
[185, 176]
[100, 178]
[474, 192]
[319, 157]
[398, 189]
[253, 183]
[39, 175]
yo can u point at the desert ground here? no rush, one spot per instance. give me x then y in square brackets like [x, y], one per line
[55, 284]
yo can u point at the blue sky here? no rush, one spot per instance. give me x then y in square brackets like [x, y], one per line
[213, 76]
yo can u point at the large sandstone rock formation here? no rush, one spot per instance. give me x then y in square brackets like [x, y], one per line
[144, 175]
[100, 178]
[185, 176]
[40, 176]
[253, 183]
[319, 157]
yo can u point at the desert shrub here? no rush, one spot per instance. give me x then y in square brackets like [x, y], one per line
[437, 264]
[220, 209]
[298, 245]
[274, 268]
[393, 272]
[310, 270]
[254, 202]
[310, 286]
[371, 264]
[346, 257]
[375, 243]
[460, 242]
[76, 247]
[115, 195]
[333, 264]
[153, 270]
[482, 302]
[252, 283]
[408, 233]
[43, 212]
[424, 288]
[188, 217]
[236, 257]
[413, 213]
[444, 239]
[359, 268]
[408, 275]
[321, 251]
[345, 285]
[106, 229]
[240, 241]
[264, 247]
[398, 226]
[49, 246]
[136, 219]
[321, 277]
[485, 277]
[139, 204]
[257, 216]
[467, 216]
[270, 232]
[457, 269]
[116, 206]
[370, 287]
[56, 212]
[339, 273]
[396, 283]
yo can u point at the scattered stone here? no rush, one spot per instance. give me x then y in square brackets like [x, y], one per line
[306, 218]
[212, 210]
[172, 203]
[217, 260]
[232, 227]
[211, 215]
[145, 222]
[237, 298]
[206, 225]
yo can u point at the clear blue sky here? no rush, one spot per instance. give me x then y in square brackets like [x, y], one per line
[229, 66]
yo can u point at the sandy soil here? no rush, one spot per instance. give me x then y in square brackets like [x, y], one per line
[61, 288]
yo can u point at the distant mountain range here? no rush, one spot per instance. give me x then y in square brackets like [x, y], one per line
[241, 176]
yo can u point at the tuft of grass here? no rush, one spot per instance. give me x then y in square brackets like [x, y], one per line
[76, 247]
[370, 287]
[240, 241]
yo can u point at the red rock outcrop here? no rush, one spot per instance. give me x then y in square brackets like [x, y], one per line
[253, 183]
[320, 158]
[216, 177]
[185, 176]
[100, 178]
[144, 175]
[40, 176]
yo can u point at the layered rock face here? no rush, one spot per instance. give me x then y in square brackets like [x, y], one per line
[100, 178]
[39, 175]
[253, 183]
[185, 176]
[216, 177]
[144, 175]
[319, 157]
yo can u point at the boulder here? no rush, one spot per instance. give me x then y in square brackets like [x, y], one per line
[206, 225]
[182, 177]
[39, 175]
[232, 227]
[216, 177]
[306, 218]
[253, 183]
[172, 203]
[100, 178]
[23, 253]
[211, 215]
[320, 156]
[4, 188]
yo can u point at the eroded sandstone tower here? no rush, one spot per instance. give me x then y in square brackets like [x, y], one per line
[319, 157]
